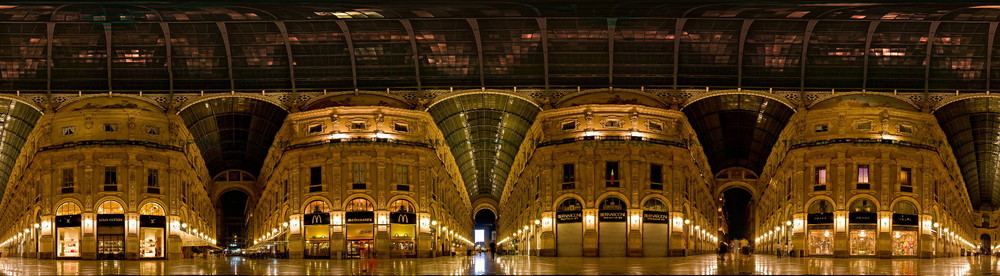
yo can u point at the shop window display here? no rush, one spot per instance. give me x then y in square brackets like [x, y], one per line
[904, 243]
[68, 230]
[862, 241]
[821, 242]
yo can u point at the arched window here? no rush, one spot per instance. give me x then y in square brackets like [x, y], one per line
[655, 205]
[613, 204]
[317, 207]
[360, 205]
[402, 206]
[68, 208]
[862, 205]
[151, 209]
[820, 207]
[110, 207]
[905, 208]
[569, 205]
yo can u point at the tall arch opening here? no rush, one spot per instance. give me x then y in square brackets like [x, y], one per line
[232, 207]
[737, 206]
[485, 226]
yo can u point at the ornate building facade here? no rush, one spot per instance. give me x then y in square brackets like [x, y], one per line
[610, 180]
[103, 178]
[864, 175]
[346, 181]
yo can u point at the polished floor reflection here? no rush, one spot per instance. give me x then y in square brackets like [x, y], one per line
[521, 265]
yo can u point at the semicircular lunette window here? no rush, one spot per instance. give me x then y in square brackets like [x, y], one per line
[16, 122]
[973, 128]
[234, 132]
[484, 132]
[738, 130]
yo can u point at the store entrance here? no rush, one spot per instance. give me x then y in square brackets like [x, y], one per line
[358, 249]
[111, 236]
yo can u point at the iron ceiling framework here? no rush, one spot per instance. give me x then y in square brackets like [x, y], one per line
[17, 120]
[484, 132]
[973, 130]
[234, 132]
[738, 130]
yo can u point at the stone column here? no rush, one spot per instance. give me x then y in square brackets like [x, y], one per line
[88, 242]
[590, 237]
[634, 234]
[46, 240]
[296, 241]
[547, 236]
[799, 234]
[425, 241]
[883, 245]
[841, 246]
[132, 236]
[382, 246]
[338, 238]
[174, 242]
[926, 241]
[676, 242]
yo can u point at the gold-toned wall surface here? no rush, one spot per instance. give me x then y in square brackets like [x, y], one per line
[108, 177]
[388, 157]
[863, 177]
[566, 158]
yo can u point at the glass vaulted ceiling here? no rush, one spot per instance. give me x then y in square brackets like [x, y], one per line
[484, 132]
[973, 130]
[233, 132]
[16, 122]
[738, 130]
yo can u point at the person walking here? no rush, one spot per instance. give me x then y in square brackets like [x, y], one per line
[493, 250]
[723, 249]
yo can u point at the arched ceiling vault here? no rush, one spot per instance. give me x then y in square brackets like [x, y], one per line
[234, 132]
[973, 130]
[484, 132]
[738, 130]
[17, 120]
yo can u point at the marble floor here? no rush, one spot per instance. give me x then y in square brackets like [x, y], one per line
[515, 265]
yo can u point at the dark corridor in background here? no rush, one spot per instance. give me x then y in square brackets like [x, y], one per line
[737, 209]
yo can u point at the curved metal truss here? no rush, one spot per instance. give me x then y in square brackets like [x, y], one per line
[973, 130]
[234, 132]
[484, 132]
[738, 130]
[192, 47]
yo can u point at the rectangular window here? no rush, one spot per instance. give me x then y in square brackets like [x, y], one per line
[402, 178]
[906, 180]
[569, 176]
[110, 179]
[153, 181]
[568, 126]
[612, 177]
[822, 128]
[656, 176]
[110, 127]
[316, 128]
[358, 174]
[820, 175]
[68, 185]
[862, 173]
[905, 176]
[400, 127]
[316, 179]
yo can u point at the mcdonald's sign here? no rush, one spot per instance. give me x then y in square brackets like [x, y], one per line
[403, 218]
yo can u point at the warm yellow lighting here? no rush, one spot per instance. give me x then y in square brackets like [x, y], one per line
[538, 222]
[434, 222]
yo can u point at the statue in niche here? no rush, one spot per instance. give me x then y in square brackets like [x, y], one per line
[588, 115]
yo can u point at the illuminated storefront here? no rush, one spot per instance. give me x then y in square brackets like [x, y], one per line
[403, 229]
[655, 228]
[820, 229]
[68, 230]
[612, 234]
[863, 228]
[110, 231]
[905, 226]
[569, 228]
[317, 230]
[152, 230]
[360, 215]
